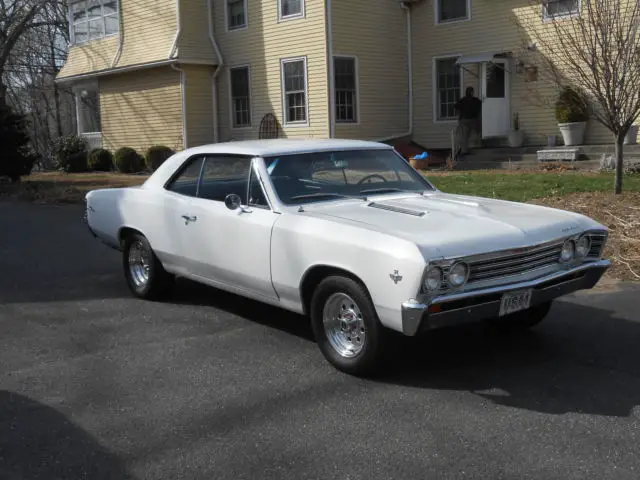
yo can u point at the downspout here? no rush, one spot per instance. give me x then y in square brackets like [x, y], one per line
[116, 57]
[331, 80]
[214, 76]
[174, 45]
[406, 8]
[183, 94]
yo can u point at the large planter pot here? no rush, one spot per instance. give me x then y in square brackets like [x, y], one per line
[516, 138]
[631, 138]
[573, 133]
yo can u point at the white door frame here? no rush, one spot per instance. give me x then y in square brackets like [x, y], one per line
[507, 94]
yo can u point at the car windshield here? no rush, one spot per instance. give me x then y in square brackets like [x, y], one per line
[332, 175]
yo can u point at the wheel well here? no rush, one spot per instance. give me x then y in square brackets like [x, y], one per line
[125, 232]
[315, 275]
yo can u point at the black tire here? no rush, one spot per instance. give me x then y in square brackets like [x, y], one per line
[522, 320]
[367, 360]
[159, 281]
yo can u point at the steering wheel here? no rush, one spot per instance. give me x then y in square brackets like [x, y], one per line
[372, 175]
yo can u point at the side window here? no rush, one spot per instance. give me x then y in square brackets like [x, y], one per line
[257, 197]
[222, 175]
[186, 182]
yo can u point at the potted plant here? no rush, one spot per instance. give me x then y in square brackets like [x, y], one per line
[516, 136]
[572, 114]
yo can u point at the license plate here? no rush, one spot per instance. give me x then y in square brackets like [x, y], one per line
[515, 301]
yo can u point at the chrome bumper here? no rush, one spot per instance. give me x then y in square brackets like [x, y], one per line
[477, 305]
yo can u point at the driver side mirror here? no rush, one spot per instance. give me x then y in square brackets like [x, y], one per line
[233, 202]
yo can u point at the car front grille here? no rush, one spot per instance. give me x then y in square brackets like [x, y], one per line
[514, 263]
[598, 241]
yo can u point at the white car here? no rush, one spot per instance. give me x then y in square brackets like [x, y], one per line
[347, 233]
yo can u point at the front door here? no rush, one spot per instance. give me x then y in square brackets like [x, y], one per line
[495, 99]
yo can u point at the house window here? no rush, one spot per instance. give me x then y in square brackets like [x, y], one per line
[448, 81]
[452, 10]
[88, 110]
[560, 8]
[92, 19]
[236, 14]
[345, 73]
[294, 88]
[239, 79]
[290, 8]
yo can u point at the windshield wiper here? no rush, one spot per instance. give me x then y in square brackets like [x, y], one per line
[324, 194]
[383, 190]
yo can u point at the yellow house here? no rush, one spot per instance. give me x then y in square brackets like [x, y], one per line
[183, 73]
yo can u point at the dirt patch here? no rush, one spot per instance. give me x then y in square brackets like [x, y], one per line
[621, 214]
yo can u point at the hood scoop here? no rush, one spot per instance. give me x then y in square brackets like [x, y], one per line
[393, 208]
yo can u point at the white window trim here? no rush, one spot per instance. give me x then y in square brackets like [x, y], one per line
[335, 106]
[434, 80]
[547, 18]
[72, 36]
[295, 16]
[436, 11]
[231, 111]
[76, 89]
[284, 95]
[226, 17]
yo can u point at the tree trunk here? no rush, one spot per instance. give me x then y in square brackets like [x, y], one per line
[619, 162]
[3, 93]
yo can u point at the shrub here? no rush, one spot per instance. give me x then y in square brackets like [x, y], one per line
[16, 158]
[100, 160]
[71, 153]
[127, 160]
[571, 106]
[156, 156]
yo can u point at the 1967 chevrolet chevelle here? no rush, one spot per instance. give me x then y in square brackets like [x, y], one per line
[347, 233]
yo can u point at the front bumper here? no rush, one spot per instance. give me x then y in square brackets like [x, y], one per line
[465, 307]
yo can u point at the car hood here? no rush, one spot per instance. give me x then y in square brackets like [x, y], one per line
[444, 225]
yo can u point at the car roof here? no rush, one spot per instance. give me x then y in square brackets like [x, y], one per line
[283, 146]
[259, 148]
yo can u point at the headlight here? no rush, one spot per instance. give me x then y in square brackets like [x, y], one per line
[583, 246]
[568, 249]
[433, 279]
[458, 274]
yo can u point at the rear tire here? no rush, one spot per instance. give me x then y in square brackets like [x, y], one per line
[522, 320]
[346, 326]
[146, 277]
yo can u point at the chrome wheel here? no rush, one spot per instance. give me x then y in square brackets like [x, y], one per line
[139, 263]
[343, 325]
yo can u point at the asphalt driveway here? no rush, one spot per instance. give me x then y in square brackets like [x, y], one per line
[95, 384]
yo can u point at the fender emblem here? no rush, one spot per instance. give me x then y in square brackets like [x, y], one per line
[395, 276]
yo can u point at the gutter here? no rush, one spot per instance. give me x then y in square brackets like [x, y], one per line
[111, 71]
[214, 76]
[406, 8]
[331, 80]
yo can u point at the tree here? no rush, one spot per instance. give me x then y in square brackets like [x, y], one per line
[17, 159]
[595, 52]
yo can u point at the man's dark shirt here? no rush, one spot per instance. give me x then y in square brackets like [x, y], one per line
[469, 107]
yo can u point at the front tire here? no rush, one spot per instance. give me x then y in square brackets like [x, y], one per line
[146, 277]
[346, 326]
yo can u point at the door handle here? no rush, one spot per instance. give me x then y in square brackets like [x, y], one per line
[188, 219]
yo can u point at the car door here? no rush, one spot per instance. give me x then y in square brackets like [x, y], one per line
[232, 247]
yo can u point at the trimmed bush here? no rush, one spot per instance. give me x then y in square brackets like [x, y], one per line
[71, 153]
[571, 106]
[156, 156]
[100, 160]
[16, 158]
[127, 160]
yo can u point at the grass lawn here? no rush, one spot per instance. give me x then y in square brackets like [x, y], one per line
[583, 192]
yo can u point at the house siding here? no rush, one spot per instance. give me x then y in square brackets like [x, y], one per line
[199, 103]
[375, 32]
[141, 109]
[262, 46]
[492, 28]
[90, 57]
[194, 43]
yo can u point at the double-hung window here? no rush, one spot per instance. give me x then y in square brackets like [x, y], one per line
[346, 89]
[236, 14]
[240, 86]
[448, 86]
[288, 9]
[560, 8]
[452, 10]
[294, 90]
[93, 19]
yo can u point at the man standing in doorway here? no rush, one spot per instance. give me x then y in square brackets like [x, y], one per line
[469, 109]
